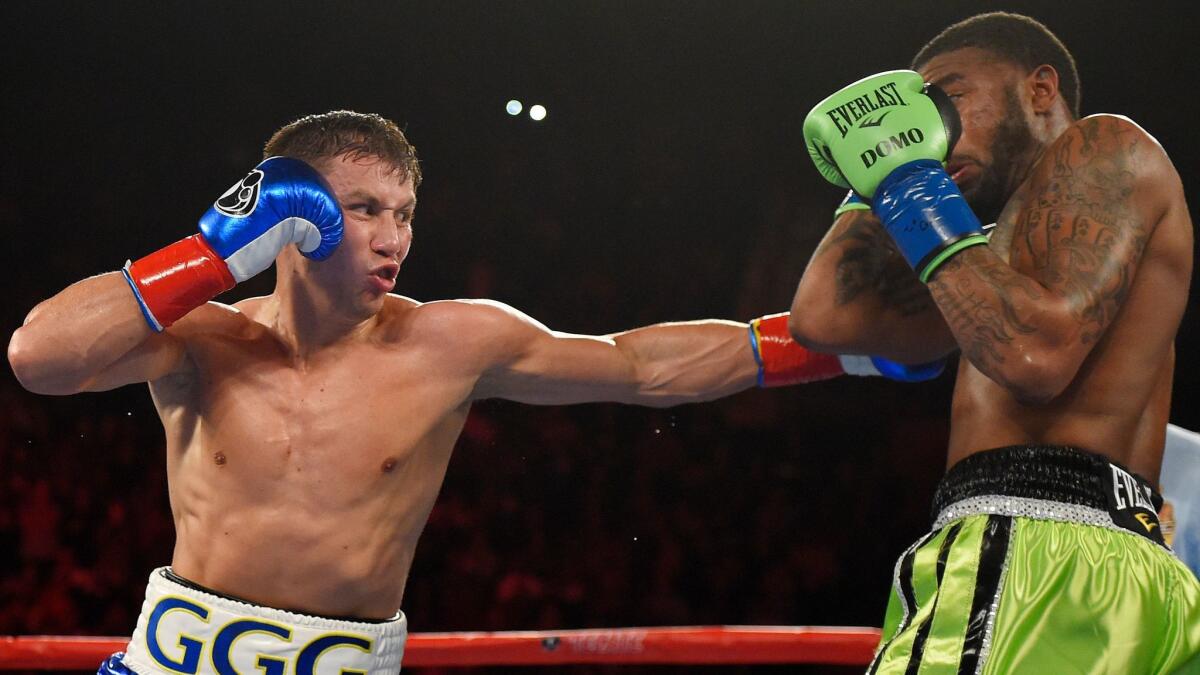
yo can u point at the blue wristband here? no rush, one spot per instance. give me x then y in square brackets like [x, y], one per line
[917, 372]
[137, 294]
[925, 214]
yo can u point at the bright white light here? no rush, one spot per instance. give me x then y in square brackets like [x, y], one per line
[513, 107]
[537, 112]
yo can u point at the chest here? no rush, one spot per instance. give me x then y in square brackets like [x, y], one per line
[366, 409]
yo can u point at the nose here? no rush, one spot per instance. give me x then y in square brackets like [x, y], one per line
[388, 239]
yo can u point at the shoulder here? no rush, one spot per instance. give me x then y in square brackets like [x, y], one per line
[486, 329]
[196, 334]
[473, 320]
[214, 319]
[1107, 162]
[1115, 143]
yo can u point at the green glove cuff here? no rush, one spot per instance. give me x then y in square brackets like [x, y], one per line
[852, 202]
[948, 252]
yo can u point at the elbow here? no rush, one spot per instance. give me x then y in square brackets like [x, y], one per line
[32, 368]
[802, 328]
[1037, 379]
[22, 359]
[816, 322]
[814, 331]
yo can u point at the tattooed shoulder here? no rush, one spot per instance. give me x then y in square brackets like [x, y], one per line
[1082, 229]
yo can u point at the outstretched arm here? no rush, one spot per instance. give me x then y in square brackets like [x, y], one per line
[659, 365]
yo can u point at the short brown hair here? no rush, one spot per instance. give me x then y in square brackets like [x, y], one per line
[339, 132]
[1016, 38]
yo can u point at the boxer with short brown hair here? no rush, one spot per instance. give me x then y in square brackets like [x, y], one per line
[308, 431]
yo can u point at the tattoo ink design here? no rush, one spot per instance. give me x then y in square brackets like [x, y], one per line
[1081, 232]
[870, 262]
[1078, 236]
[981, 298]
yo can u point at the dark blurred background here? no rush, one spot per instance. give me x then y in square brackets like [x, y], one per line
[667, 182]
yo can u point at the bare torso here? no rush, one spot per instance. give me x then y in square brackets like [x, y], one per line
[308, 432]
[1119, 401]
[305, 483]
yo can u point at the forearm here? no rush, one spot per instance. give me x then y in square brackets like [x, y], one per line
[859, 296]
[1012, 328]
[76, 334]
[687, 362]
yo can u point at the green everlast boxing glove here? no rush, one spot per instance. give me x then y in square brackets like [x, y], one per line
[885, 137]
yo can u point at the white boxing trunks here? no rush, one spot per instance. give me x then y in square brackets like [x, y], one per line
[184, 629]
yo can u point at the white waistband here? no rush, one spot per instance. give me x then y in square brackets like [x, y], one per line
[1024, 507]
[184, 630]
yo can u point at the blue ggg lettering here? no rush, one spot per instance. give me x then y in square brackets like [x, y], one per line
[191, 646]
[223, 645]
[306, 663]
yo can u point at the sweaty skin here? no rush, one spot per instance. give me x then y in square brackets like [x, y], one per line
[1067, 320]
[308, 432]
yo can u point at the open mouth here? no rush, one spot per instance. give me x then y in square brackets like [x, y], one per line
[383, 279]
[960, 171]
[387, 272]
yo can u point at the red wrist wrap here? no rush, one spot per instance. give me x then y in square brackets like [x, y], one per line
[176, 279]
[782, 360]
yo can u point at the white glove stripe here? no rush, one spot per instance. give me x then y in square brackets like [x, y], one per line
[248, 260]
[855, 364]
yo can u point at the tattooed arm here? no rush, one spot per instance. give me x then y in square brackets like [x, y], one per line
[859, 296]
[1089, 208]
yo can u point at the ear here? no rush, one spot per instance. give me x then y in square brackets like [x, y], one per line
[1042, 86]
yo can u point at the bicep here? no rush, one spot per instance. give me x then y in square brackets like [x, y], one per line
[529, 363]
[1082, 233]
[551, 368]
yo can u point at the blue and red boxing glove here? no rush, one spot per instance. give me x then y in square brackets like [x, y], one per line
[783, 361]
[282, 201]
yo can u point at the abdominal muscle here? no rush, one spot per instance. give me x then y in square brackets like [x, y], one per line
[1123, 420]
[307, 492]
[339, 560]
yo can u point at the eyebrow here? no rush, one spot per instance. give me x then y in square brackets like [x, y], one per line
[947, 80]
[360, 195]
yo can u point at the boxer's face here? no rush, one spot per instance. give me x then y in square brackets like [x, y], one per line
[997, 144]
[377, 210]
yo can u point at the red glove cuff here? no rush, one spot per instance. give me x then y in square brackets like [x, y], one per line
[176, 279]
[782, 360]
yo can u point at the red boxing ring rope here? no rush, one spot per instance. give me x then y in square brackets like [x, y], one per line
[695, 645]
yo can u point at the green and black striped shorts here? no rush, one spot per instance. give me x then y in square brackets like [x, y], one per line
[1044, 560]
